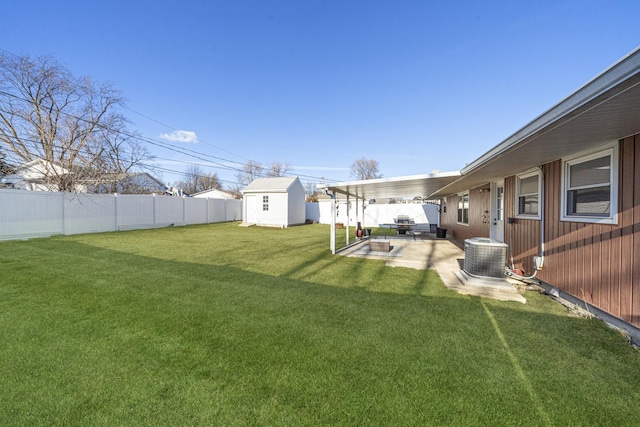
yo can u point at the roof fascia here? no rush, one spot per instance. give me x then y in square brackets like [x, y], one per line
[620, 71]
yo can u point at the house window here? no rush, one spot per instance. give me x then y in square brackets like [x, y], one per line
[590, 187]
[444, 206]
[463, 208]
[265, 203]
[528, 195]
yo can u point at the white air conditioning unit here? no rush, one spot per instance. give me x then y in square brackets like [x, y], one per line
[484, 257]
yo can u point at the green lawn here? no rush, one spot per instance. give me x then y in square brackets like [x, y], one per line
[225, 325]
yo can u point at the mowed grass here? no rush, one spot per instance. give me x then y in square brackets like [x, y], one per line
[225, 325]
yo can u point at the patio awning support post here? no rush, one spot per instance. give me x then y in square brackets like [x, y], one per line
[332, 243]
[357, 217]
[348, 220]
[363, 214]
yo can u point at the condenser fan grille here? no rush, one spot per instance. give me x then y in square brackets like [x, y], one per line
[484, 257]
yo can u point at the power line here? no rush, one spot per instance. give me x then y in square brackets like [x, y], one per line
[185, 151]
[176, 129]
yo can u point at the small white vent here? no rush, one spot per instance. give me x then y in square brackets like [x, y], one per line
[484, 257]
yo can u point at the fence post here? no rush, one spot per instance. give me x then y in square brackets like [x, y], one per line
[154, 209]
[115, 205]
[64, 219]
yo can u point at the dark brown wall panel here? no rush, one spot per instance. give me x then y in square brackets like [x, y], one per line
[478, 215]
[635, 274]
[593, 262]
[598, 263]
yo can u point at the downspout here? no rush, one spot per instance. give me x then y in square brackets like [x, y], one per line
[540, 264]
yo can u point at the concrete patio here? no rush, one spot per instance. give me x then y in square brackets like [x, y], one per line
[445, 256]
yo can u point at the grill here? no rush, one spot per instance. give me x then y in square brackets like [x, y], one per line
[484, 257]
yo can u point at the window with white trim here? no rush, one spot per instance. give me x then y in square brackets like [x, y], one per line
[528, 195]
[463, 208]
[590, 187]
[265, 203]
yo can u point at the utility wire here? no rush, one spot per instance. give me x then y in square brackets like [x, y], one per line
[181, 150]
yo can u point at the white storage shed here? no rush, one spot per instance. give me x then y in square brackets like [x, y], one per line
[274, 202]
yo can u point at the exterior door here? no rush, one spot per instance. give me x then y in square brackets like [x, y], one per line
[497, 211]
[251, 209]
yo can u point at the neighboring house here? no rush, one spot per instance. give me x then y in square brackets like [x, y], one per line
[566, 187]
[129, 183]
[213, 193]
[33, 175]
[274, 202]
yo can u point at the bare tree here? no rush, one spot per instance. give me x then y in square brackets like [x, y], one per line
[236, 190]
[311, 192]
[364, 168]
[250, 171]
[197, 180]
[277, 169]
[69, 122]
[5, 168]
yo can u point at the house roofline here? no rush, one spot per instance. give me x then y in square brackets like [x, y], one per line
[621, 70]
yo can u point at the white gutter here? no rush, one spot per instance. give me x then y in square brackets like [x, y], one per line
[620, 71]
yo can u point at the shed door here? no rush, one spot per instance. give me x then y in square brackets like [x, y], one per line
[251, 209]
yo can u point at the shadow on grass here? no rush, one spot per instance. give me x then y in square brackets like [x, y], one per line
[100, 336]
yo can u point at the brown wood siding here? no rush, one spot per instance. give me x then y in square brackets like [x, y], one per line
[523, 235]
[635, 276]
[479, 202]
[594, 262]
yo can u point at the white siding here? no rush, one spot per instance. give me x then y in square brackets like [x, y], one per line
[297, 204]
[276, 216]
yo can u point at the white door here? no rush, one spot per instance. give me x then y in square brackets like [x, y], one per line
[497, 211]
[251, 209]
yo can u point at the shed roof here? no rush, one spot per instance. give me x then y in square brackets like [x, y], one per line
[270, 185]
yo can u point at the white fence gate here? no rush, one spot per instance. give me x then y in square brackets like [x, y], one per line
[25, 214]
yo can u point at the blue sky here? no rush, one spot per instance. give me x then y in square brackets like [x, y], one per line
[417, 85]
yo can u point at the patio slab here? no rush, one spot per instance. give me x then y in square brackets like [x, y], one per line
[445, 256]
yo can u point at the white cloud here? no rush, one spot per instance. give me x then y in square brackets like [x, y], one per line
[185, 136]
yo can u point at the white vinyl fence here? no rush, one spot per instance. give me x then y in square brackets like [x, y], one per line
[25, 214]
[424, 215]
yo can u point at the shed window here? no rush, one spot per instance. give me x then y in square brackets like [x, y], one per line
[463, 208]
[590, 187]
[265, 203]
[528, 195]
